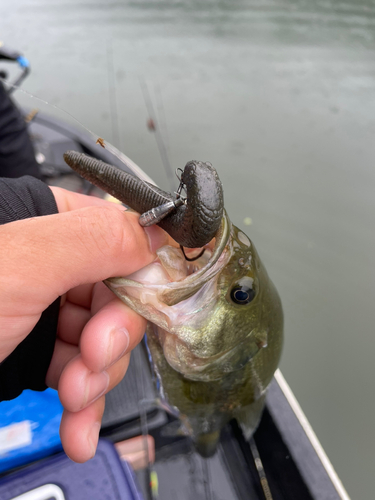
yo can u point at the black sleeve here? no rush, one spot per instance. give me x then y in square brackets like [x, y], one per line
[27, 365]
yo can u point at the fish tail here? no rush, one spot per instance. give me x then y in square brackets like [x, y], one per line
[206, 444]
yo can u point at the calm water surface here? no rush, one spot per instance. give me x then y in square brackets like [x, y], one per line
[280, 96]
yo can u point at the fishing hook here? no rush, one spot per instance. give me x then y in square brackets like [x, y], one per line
[192, 258]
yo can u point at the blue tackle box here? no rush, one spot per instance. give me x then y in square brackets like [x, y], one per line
[29, 428]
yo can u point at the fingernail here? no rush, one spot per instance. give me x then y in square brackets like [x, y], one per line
[96, 386]
[93, 437]
[117, 345]
[156, 237]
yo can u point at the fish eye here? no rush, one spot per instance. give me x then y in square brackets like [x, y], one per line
[242, 294]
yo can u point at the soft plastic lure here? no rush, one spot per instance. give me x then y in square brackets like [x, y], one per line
[192, 222]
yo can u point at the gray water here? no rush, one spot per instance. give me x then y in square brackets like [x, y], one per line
[280, 96]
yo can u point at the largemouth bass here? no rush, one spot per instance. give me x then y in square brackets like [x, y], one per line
[215, 329]
[215, 335]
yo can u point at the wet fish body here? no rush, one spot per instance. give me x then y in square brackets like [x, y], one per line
[215, 336]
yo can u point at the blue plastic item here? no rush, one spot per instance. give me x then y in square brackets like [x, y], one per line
[29, 428]
[104, 477]
[23, 62]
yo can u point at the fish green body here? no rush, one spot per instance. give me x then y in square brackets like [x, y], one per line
[215, 332]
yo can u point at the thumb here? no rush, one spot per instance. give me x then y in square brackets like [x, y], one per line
[42, 258]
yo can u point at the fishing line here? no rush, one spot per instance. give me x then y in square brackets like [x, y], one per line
[133, 167]
[144, 427]
[162, 116]
[113, 95]
[158, 136]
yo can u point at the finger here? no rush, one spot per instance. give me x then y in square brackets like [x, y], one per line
[62, 355]
[52, 254]
[101, 296]
[72, 320]
[81, 295]
[79, 432]
[113, 331]
[68, 200]
[79, 387]
[73, 317]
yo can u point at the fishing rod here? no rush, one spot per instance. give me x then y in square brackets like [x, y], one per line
[113, 96]
[10, 55]
[154, 127]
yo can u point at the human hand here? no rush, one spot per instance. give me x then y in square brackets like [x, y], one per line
[69, 254]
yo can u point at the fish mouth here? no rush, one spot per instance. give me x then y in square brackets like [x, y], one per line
[183, 304]
[154, 277]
